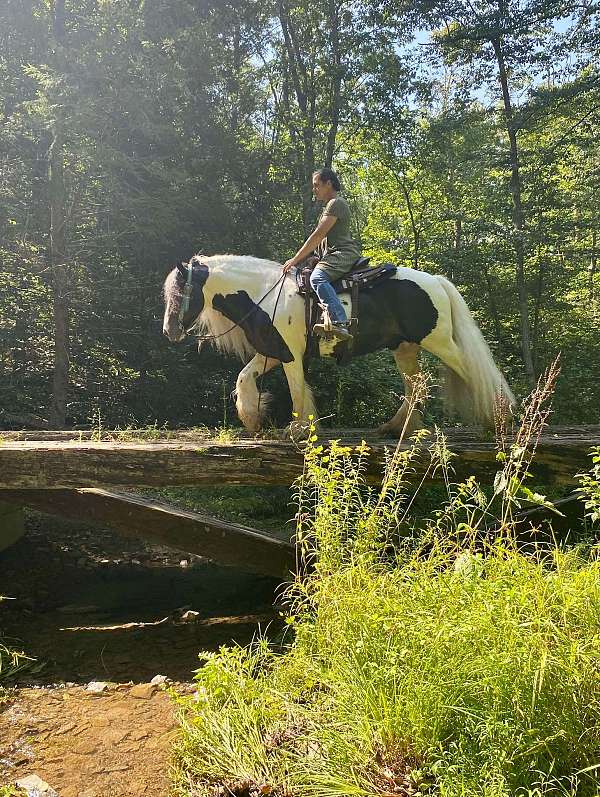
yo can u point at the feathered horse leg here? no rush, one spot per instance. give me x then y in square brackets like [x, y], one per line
[250, 404]
[303, 403]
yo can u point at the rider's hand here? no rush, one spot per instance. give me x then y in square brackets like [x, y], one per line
[288, 265]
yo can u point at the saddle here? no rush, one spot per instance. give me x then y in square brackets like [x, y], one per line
[359, 278]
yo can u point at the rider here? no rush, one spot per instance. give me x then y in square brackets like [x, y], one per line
[337, 250]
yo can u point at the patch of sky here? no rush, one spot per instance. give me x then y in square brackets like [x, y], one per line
[533, 76]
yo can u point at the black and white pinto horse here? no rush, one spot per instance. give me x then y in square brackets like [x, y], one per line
[410, 311]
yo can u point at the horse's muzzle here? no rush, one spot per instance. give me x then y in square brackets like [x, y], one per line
[174, 332]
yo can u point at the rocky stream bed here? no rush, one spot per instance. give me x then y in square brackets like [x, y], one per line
[103, 616]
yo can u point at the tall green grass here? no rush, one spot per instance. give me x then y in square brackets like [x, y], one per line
[456, 665]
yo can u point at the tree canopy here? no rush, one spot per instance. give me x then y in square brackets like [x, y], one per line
[133, 135]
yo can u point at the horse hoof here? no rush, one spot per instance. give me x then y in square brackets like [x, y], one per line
[404, 429]
[385, 431]
[297, 432]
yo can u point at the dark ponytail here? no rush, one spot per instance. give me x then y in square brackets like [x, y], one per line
[327, 175]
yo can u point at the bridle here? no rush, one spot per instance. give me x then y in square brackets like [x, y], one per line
[186, 298]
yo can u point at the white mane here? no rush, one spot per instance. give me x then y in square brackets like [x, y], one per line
[211, 322]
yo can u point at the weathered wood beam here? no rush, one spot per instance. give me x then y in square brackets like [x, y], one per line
[561, 454]
[541, 524]
[226, 543]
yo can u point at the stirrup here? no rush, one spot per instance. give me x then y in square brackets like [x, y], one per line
[339, 331]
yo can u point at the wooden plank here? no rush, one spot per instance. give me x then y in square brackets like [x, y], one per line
[111, 435]
[73, 464]
[226, 543]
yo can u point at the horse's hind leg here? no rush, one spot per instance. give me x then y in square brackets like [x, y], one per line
[250, 404]
[406, 356]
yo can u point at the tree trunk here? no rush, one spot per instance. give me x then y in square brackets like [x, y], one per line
[304, 92]
[539, 291]
[456, 243]
[336, 81]
[592, 267]
[517, 215]
[57, 242]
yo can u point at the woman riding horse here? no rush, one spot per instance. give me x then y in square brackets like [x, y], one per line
[247, 307]
[338, 250]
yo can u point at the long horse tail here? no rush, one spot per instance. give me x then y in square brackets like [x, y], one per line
[474, 386]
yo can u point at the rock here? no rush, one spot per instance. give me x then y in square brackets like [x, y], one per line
[159, 679]
[96, 687]
[36, 787]
[143, 691]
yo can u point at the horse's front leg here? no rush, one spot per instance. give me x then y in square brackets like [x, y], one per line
[303, 403]
[252, 405]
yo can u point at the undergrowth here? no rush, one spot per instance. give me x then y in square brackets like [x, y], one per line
[455, 664]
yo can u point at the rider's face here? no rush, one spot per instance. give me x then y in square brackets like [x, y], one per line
[320, 189]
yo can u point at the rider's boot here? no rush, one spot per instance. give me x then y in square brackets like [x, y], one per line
[339, 330]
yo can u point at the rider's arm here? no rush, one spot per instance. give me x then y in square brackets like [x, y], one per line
[311, 243]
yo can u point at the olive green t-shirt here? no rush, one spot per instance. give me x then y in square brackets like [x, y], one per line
[339, 250]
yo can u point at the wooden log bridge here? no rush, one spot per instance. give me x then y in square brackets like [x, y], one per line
[67, 460]
[74, 474]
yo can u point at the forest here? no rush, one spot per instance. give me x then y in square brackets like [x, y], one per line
[134, 134]
[434, 639]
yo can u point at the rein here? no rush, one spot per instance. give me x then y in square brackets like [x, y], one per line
[201, 338]
[281, 280]
[185, 304]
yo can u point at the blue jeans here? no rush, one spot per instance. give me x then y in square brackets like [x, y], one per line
[321, 283]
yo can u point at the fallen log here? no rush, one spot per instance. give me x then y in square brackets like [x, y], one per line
[32, 464]
[228, 544]
[541, 524]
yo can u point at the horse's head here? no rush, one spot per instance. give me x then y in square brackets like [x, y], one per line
[184, 298]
